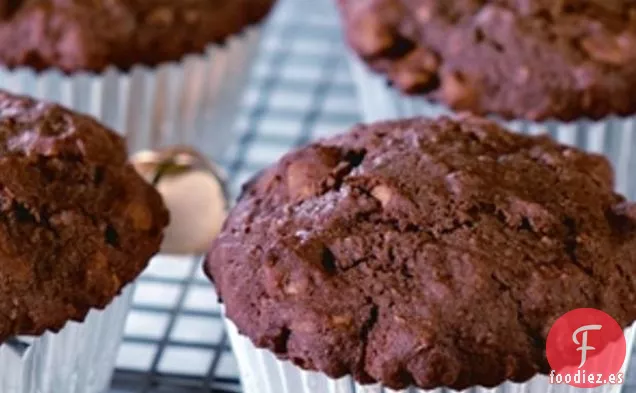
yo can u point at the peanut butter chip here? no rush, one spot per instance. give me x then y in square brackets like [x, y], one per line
[342, 320]
[423, 13]
[456, 91]
[191, 16]
[605, 49]
[373, 37]
[383, 194]
[99, 261]
[140, 216]
[418, 70]
[163, 16]
[294, 287]
[305, 327]
[299, 181]
[522, 75]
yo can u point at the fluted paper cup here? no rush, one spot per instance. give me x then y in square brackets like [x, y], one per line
[613, 137]
[262, 372]
[193, 101]
[80, 358]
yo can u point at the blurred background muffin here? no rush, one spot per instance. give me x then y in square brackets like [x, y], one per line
[159, 71]
[565, 67]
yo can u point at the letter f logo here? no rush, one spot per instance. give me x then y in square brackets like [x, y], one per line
[584, 347]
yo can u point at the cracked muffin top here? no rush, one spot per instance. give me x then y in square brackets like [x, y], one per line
[432, 253]
[527, 59]
[90, 35]
[76, 221]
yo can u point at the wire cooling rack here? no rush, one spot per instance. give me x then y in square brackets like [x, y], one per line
[301, 90]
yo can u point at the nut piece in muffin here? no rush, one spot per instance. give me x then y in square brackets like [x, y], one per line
[434, 253]
[77, 222]
[526, 59]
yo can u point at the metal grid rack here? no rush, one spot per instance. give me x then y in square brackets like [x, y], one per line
[301, 90]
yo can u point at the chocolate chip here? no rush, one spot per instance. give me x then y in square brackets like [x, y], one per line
[111, 236]
[8, 8]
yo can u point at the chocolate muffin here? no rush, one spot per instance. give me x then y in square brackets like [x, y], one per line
[92, 35]
[435, 253]
[524, 59]
[77, 222]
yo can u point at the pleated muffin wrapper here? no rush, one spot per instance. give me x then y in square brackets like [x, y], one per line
[262, 372]
[194, 101]
[80, 358]
[614, 137]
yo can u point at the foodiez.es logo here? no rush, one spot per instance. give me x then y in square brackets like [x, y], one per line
[586, 348]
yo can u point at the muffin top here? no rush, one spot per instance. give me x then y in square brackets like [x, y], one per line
[83, 35]
[433, 253]
[77, 222]
[526, 59]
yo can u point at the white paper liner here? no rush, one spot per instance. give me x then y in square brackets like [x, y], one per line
[262, 372]
[194, 101]
[80, 358]
[614, 137]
